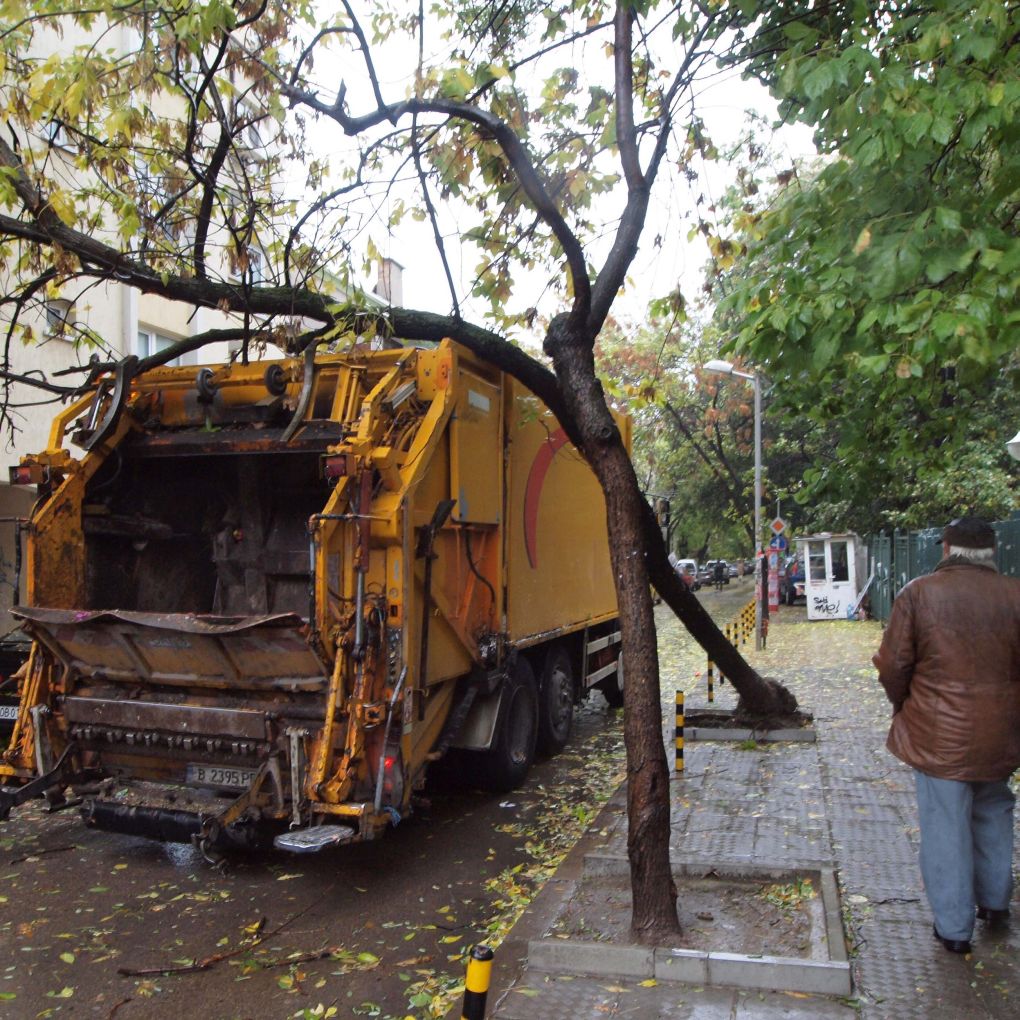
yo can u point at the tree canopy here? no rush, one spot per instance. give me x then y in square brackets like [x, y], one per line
[878, 285]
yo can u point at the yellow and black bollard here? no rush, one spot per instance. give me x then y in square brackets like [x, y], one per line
[711, 680]
[476, 985]
[679, 765]
[729, 639]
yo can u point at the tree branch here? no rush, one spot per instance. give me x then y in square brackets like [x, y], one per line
[513, 148]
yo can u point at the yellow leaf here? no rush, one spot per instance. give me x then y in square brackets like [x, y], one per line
[863, 240]
[451, 938]
[650, 983]
[67, 957]
[62, 204]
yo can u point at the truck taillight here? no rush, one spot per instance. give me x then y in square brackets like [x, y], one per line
[393, 780]
[21, 475]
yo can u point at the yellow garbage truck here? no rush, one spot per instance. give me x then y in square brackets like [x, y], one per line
[265, 597]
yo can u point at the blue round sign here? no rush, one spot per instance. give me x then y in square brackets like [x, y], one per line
[779, 542]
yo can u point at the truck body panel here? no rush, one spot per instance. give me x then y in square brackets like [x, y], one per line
[271, 594]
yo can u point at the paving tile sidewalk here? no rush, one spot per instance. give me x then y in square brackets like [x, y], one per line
[842, 801]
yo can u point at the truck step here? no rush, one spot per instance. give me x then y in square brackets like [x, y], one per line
[310, 841]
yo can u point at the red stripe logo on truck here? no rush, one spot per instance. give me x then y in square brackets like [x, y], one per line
[533, 491]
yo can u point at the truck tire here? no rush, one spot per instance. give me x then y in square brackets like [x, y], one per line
[612, 686]
[555, 700]
[506, 764]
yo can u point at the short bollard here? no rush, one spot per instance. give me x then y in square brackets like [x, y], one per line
[679, 765]
[711, 680]
[476, 985]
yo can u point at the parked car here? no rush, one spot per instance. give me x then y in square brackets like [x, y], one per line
[734, 571]
[725, 571]
[687, 570]
[791, 580]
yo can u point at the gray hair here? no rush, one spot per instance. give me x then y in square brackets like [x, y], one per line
[982, 557]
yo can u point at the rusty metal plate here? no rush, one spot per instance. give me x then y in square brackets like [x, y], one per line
[197, 720]
[181, 648]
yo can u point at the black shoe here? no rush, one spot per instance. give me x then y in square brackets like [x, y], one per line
[993, 917]
[952, 945]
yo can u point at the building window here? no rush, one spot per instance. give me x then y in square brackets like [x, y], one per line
[59, 316]
[150, 342]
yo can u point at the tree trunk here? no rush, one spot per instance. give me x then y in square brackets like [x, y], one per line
[654, 908]
[653, 891]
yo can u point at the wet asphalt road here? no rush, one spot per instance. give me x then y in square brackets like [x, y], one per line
[375, 929]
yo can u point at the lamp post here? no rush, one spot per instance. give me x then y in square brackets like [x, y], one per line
[726, 368]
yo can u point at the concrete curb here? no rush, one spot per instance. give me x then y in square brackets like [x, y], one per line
[664, 963]
[692, 731]
[806, 736]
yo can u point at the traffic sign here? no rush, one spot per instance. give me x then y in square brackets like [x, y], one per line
[778, 526]
[779, 542]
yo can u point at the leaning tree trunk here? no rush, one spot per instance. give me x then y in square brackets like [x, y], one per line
[759, 696]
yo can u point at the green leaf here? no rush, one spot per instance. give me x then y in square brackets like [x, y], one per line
[819, 79]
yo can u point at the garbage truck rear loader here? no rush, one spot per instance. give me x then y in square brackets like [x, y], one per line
[267, 596]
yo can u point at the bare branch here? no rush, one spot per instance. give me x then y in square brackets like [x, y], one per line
[624, 74]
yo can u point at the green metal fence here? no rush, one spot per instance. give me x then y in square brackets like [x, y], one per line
[895, 559]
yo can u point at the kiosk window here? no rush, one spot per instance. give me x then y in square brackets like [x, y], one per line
[840, 565]
[816, 561]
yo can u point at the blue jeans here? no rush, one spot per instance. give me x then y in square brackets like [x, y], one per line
[966, 849]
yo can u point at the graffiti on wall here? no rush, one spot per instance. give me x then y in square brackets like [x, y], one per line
[824, 606]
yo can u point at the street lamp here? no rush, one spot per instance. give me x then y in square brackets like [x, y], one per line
[726, 368]
[1014, 447]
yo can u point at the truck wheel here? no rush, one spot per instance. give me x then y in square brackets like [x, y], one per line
[555, 700]
[506, 763]
[612, 686]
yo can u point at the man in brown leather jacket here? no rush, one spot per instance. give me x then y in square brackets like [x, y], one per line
[950, 664]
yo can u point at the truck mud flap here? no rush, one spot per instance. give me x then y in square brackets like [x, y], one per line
[180, 648]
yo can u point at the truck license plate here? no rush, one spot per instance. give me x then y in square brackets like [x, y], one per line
[220, 775]
[8, 712]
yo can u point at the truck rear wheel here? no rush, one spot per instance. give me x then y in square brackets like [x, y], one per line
[506, 763]
[555, 700]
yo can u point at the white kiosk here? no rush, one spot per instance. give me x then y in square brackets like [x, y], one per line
[834, 574]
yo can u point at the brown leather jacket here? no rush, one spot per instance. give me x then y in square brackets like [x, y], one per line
[950, 664]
